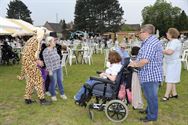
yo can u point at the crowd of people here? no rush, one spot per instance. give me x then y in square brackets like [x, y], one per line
[148, 57]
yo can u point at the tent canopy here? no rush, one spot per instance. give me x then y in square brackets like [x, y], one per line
[15, 27]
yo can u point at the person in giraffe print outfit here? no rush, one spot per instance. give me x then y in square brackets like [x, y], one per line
[29, 69]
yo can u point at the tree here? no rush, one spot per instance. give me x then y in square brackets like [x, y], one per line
[98, 16]
[18, 10]
[183, 21]
[64, 29]
[63, 24]
[162, 15]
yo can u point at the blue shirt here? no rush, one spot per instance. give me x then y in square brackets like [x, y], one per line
[151, 49]
[123, 53]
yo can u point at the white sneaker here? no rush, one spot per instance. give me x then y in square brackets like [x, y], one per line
[63, 96]
[75, 98]
[54, 98]
[48, 93]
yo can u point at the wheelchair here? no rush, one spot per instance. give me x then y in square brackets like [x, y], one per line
[106, 94]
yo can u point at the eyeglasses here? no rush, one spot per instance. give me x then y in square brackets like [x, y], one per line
[141, 32]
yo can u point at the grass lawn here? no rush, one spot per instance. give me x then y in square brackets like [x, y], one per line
[13, 111]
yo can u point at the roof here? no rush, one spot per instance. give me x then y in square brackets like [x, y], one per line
[134, 27]
[56, 27]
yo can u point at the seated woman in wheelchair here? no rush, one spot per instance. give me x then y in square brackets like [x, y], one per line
[110, 73]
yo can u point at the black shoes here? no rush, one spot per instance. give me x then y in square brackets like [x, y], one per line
[165, 99]
[45, 102]
[29, 101]
[42, 101]
[146, 120]
[143, 112]
[174, 96]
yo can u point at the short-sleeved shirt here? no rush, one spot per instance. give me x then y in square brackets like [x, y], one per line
[174, 45]
[151, 49]
[114, 69]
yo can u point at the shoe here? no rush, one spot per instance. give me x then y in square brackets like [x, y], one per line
[165, 98]
[54, 98]
[29, 101]
[48, 93]
[63, 96]
[75, 98]
[146, 120]
[174, 96]
[143, 111]
[45, 102]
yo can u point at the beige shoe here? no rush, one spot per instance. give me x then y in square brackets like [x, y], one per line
[63, 96]
[54, 98]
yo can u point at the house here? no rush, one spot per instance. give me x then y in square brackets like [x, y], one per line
[55, 27]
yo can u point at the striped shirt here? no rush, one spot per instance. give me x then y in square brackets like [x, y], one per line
[51, 59]
[151, 49]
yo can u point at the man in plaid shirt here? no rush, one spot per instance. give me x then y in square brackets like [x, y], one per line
[149, 60]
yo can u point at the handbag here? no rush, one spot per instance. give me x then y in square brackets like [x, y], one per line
[122, 92]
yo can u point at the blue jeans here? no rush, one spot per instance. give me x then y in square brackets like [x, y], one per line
[150, 90]
[56, 77]
[82, 89]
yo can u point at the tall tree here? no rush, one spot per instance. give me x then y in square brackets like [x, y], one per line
[18, 10]
[183, 21]
[98, 15]
[162, 15]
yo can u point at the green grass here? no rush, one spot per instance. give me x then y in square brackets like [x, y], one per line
[13, 111]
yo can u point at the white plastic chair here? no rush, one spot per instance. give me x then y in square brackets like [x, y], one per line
[87, 57]
[184, 58]
[99, 48]
[106, 53]
[71, 56]
[63, 62]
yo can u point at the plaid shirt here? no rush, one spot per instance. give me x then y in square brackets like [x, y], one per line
[151, 49]
[51, 59]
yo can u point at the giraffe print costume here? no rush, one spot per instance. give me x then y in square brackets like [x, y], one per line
[30, 70]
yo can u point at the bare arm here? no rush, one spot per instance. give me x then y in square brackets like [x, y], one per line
[168, 52]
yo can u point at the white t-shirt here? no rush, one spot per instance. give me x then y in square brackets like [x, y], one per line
[114, 69]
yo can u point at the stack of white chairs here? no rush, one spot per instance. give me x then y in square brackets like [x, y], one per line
[184, 58]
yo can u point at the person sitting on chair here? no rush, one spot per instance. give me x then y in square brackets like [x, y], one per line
[110, 73]
[122, 52]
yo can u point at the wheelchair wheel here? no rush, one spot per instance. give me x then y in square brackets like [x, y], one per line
[116, 111]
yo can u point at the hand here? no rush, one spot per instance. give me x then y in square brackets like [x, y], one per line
[50, 73]
[19, 77]
[131, 64]
[40, 63]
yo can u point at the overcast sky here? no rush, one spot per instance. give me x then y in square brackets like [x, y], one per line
[53, 10]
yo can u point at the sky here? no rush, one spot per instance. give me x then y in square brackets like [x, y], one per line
[54, 10]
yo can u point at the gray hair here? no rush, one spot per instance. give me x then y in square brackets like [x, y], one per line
[48, 40]
[149, 28]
